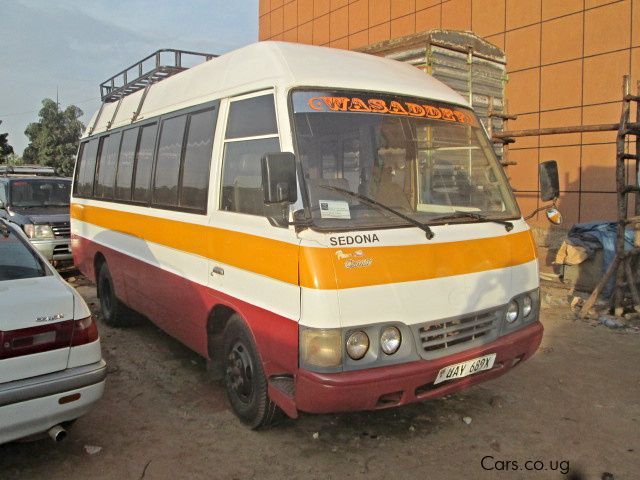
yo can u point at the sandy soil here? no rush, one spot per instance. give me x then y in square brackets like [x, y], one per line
[576, 403]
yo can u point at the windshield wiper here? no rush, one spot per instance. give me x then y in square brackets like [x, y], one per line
[508, 226]
[427, 230]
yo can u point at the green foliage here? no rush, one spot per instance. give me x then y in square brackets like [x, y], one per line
[5, 148]
[54, 138]
[14, 159]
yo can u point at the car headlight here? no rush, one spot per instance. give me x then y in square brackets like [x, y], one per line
[357, 345]
[321, 347]
[527, 306]
[38, 231]
[512, 312]
[390, 340]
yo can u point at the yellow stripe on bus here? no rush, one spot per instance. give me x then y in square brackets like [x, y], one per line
[264, 256]
[395, 264]
[320, 268]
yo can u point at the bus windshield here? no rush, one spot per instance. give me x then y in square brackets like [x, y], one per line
[425, 159]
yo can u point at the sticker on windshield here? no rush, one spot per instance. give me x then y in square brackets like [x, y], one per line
[334, 209]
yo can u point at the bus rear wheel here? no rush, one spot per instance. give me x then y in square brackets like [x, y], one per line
[114, 312]
[245, 382]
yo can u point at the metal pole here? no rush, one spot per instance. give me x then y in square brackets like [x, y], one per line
[604, 127]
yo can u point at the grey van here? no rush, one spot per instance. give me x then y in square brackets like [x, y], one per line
[36, 200]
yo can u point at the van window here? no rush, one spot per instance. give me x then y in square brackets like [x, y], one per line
[241, 165]
[144, 163]
[125, 165]
[165, 188]
[76, 173]
[86, 168]
[197, 160]
[242, 175]
[252, 117]
[107, 167]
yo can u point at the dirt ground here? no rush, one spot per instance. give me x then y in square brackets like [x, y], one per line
[575, 404]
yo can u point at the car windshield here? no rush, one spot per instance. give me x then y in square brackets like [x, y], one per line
[40, 193]
[425, 159]
[17, 261]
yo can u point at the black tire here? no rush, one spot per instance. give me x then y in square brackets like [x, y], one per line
[244, 377]
[114, 312]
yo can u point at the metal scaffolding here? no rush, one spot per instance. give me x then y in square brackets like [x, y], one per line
[624, 265]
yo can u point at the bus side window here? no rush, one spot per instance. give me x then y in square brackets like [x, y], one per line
[87, 169]
[107, 167]
[144, 163]
[241, 170]
[124, 173]
[79, 165]
[167, 169]
[194, 180]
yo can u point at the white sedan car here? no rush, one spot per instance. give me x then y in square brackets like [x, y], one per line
[51, 367]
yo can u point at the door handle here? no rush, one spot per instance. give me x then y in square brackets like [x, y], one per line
[217, 271]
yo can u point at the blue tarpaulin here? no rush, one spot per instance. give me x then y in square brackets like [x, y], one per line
[595, 235]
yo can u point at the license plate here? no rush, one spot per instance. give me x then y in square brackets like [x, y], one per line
[463, 369]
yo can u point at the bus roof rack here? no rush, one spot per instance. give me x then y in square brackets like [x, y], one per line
[149, 70]
[26, 170]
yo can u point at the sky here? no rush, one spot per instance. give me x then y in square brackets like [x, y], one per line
[74, 45]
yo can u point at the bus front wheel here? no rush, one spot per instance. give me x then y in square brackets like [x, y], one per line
[245, 381]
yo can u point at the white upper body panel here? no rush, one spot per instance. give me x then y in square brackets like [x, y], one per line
[283, 66]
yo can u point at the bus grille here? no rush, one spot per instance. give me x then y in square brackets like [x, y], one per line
[61, 230]
[449, 336]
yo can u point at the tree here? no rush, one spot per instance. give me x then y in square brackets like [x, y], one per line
[5, 148]
[14, 159]
[54, 138]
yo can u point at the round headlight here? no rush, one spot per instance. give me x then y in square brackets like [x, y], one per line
[357, 345]
[512, 311]
[390, 340]
[526, 306]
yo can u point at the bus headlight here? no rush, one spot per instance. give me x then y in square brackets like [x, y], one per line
[512, 312]
[527, 306]
[321, 347]
[38, 231]
[357, 345]
[390, 340]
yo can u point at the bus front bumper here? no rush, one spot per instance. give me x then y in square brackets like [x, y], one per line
[385, 387]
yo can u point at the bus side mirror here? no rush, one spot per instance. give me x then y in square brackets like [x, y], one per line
[549, 184]
[550, 189]
[1, 205]
[279, 178]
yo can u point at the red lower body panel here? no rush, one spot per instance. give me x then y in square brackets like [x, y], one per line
[182, 307]
[395, 385]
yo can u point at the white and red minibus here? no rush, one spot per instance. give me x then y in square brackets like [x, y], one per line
[331, 230]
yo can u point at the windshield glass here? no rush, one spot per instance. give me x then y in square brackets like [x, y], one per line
[423, 158]
[40, 193]
[16, 259]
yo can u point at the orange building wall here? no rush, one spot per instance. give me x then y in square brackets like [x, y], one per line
[565, 60]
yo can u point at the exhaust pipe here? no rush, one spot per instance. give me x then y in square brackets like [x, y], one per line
[57, 433]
